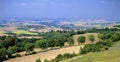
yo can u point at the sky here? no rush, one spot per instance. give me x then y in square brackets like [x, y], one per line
[60, 8]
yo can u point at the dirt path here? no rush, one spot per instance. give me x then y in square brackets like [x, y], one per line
[46, 55]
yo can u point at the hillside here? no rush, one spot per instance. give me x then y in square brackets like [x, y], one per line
[111, 55]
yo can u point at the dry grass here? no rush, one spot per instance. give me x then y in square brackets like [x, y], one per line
[53, 53]
[75, 38]
[111, 55]
[45, 55]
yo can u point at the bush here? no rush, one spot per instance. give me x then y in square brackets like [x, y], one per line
[108, 43]
[106, 47]
[11, 50]
[18, 55]
[64, 56]
[96, 47]
[67, 55]
[2, 54]
[58, 58]
[38, 60]
[29, 47]
[46, 60]
[81, 39]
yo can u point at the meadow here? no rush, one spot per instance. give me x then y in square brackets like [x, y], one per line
[111, 55]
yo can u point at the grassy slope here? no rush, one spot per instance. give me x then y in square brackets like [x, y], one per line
[24, 32]
[111, 55]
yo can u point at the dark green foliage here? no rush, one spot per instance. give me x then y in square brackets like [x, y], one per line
[96, 47]
[81, 39]
[107, 35]
[90, 48]
[38, 60]
[108, 43]
[21, 46]
[101, 36]
[11, 40]
[29, 47]
[18, 55]
[59, 40]
[70, 41]
[41, 44]
[2, 54]
[118, 26]
[67, 55]
[86, 48]
[63, 57]
[115, 36]
[104, 30]
[50, 43]
[58, 58]
[91, 38]
[80, 32]
[46, 60]
[4, 44]
[11, 50]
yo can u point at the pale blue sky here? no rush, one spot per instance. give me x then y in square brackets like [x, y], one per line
[60, 8]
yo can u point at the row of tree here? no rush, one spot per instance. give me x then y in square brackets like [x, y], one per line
[10, 45]
[105, 41]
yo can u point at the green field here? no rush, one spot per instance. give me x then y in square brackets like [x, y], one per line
[2, 32]
[111, 55]
[24, 32]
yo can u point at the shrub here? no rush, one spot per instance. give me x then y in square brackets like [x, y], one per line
[18, 55]
[29, 47]
[11, 50]
[38, 60]
[108, 43]
[91, 38]
[58, 58]
[81, 39]
[46, 60]
[67, 55]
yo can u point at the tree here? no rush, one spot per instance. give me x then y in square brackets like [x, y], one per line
[91, 38]
[107, 35]
[41, 44]
[81, 39]
[50, 43]
[29, 47]
[4, 44]
[21, 46]
[101, 36]
[59, 40]
[115, 37]
[11, 40]
[11, 50]
[80, 32]
[70, 41]
[2, 54]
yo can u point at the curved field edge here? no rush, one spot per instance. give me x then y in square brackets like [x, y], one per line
[111, 55]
